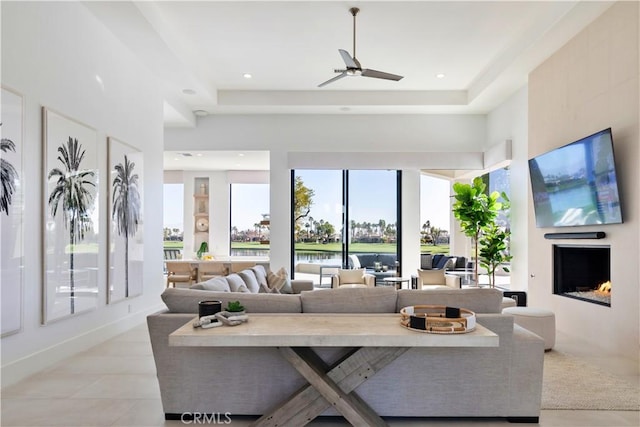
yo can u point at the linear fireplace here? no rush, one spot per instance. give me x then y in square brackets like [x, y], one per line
[583, 272]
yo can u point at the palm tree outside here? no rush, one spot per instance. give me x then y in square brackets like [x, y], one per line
[72, 191]
[126, 208]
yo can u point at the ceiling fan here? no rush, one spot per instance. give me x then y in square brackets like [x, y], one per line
[353, 67]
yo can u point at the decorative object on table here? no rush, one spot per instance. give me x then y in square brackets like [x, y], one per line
[204, 247]
[235, 307]
[232, 318]
[438, 319]
[11, 211]
[126, 242]
[71, 215]
[209, 307]
[475, 210]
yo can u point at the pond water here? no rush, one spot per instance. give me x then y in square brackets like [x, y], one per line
[332, 258]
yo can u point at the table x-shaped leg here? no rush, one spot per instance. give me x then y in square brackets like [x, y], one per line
[331, 386]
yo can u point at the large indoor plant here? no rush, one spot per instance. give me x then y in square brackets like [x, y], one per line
[475, 210]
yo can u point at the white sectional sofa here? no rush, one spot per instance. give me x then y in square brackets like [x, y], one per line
[504, 381]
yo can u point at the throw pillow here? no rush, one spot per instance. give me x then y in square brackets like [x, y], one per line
[219, 284]
[275, 281]
[451, 264]
[236, 284]
[432, 277]
[261, 274]
[351, 276]
[249, 278]
[286, 288]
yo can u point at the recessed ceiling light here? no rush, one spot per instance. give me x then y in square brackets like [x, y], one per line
[240, 154]
[176, 158]
[440, 75]
[247, 75]
[188, 91]
[201, 113]
[199, 154]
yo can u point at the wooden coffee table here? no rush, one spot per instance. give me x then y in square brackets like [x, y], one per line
[375, 339]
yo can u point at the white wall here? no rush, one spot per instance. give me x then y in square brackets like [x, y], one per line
[588, 85]
[509, 122]
[52, 53]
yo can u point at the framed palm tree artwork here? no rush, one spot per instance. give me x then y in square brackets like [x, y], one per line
[125, 214]
[71, 217]
[11, 212]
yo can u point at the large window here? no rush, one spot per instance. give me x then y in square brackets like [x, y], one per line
[250, 221]
[173, 215]
[435, 214]
[341, 213]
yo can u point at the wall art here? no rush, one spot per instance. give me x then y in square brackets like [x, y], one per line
[11, 211]
[71, 217]
[126, 238]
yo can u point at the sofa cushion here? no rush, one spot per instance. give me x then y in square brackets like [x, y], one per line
[351, 276]
[264, 289]
[388, 260]
[219, 284]
[249, 278]
[477, 300]
[367, 260]
[432, 277]
[261, 274]
[350, 300]
[180, 300]
[236, 283]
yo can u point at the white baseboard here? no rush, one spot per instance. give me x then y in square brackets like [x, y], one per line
[43, 359]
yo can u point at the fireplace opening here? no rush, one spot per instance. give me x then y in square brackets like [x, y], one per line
[583, 272]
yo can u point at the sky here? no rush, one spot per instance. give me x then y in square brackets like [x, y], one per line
[371, 195]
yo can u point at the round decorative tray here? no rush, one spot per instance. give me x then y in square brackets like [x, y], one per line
[438, 319]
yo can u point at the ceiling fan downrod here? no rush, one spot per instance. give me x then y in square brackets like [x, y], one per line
[354, 11]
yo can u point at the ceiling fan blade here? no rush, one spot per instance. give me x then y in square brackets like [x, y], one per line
[380, 75]
[348, 60]
[338, 77]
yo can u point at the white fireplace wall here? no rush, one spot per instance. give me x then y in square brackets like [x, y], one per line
[588, 85]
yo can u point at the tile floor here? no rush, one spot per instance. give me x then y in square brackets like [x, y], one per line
[114, 384]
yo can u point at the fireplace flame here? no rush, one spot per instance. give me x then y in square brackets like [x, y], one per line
[604, 288]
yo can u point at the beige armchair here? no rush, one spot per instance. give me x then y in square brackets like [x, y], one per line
[432, 279]
[180, 272]
[353, 278]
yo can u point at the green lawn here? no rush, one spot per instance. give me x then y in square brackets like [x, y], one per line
[329, 247]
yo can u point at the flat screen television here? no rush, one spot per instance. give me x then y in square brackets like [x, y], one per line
[576, 184]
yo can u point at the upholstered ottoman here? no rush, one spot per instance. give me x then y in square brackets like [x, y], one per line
[539, 321]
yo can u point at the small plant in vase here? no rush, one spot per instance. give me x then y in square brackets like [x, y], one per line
[204, 247]
[235, 307]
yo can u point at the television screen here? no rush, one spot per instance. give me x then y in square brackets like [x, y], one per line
[576, 184]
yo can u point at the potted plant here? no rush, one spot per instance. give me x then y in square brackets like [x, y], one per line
[493, 246]
[204, 247]
[235, 307]
[475, 210]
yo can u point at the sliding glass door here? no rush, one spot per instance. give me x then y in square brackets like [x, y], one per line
[342, 216]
